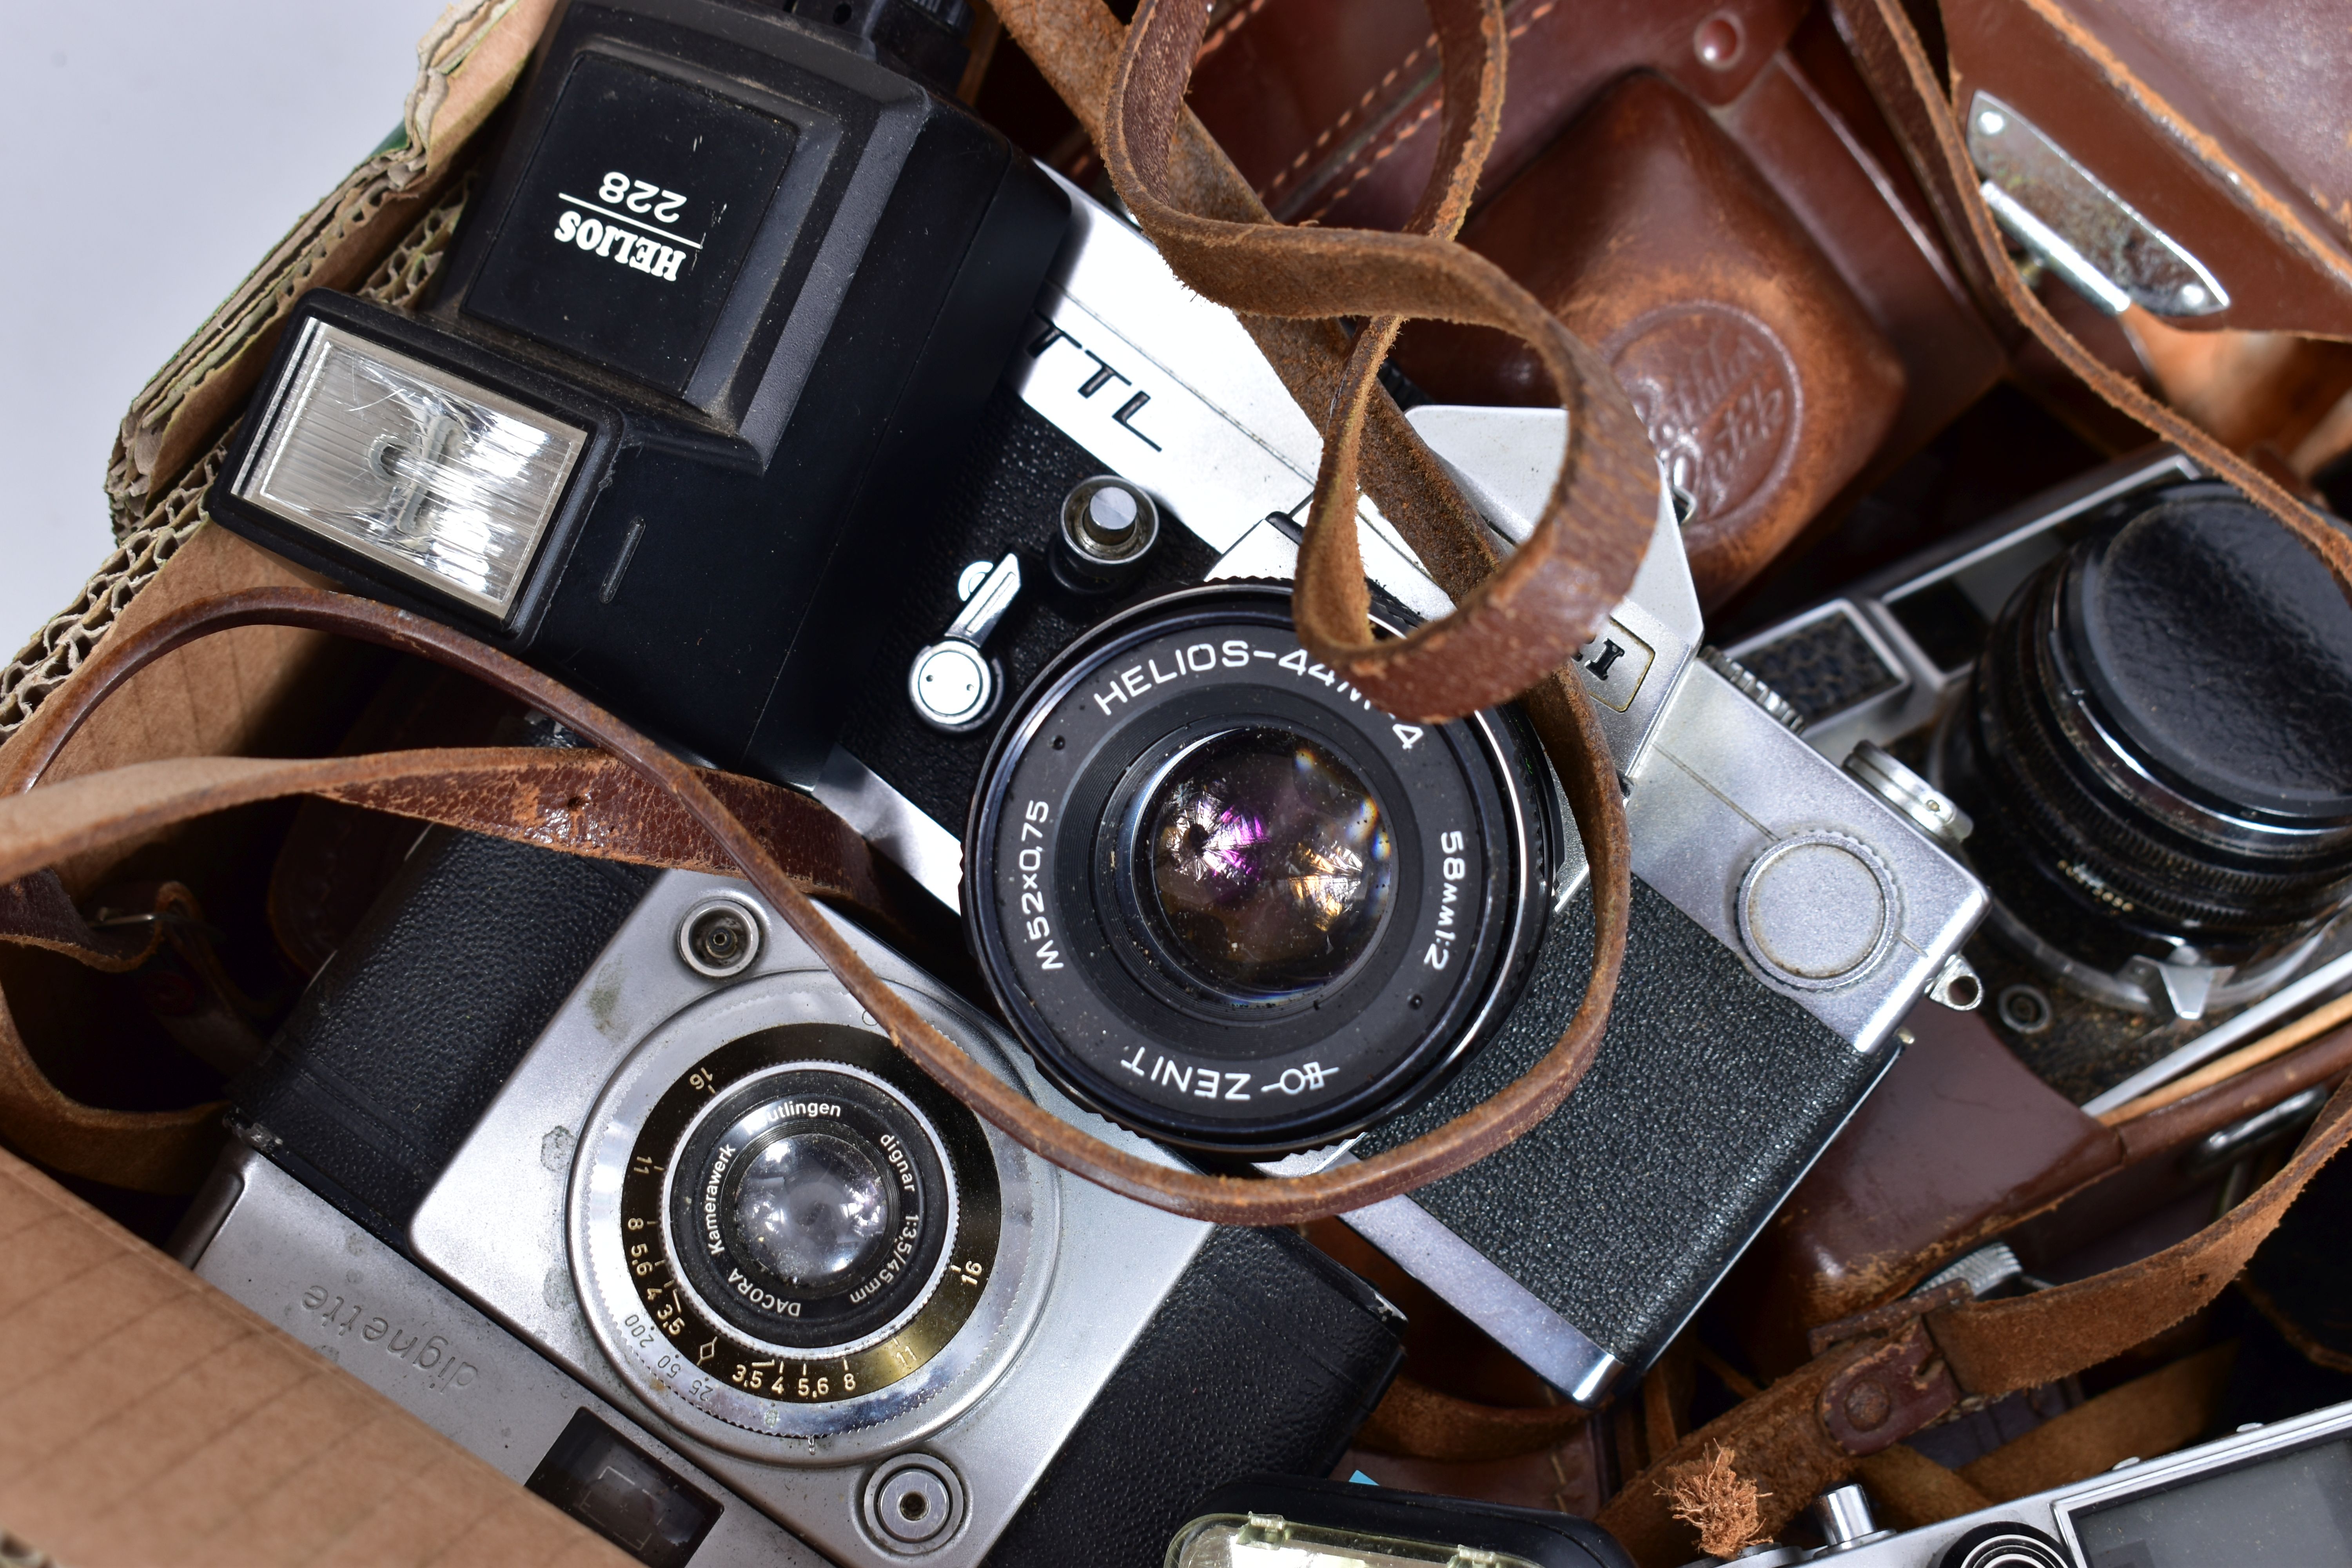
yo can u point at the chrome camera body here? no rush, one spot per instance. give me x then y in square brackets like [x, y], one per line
[2169, 844]
[2266, 1496]
[648, 1061]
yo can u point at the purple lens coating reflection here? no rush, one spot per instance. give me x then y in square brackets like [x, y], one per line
[1270, 865]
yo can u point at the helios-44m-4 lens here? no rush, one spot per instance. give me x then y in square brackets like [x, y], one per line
[1229, 902]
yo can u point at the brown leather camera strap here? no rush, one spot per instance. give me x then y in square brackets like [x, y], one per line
[585, 803]
[1419, 1422]
[669, 814]
[1288, 286]
[1078, 44]
[1890, 1371]
[1513, 624]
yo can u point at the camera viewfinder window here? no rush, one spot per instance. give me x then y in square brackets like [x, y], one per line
[630, 224]
[606, 1483]
[447, 482]
[2289, 1508]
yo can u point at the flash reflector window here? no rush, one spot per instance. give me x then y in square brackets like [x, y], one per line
[425, 472]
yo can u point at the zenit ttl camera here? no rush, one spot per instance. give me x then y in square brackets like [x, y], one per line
[1226, 901]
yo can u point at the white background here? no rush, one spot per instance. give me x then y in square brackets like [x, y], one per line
[153, 151]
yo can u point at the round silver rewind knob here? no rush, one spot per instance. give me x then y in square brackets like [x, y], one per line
[1818, 910]
[2003, 1545]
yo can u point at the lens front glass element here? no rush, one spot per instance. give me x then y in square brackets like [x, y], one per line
[814, 1208]
[1268, 865]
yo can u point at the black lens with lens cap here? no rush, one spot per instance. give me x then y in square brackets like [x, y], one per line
[2154, 745]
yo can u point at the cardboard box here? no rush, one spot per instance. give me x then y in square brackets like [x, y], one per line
[145, 1417]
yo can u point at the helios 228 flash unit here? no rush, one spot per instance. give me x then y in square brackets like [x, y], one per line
[729, 299]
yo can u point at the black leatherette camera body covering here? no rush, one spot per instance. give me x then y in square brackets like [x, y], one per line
[395, 1050]
[1266, 1356]
[1709, 1098]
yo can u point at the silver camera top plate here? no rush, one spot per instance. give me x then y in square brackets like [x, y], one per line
[2066, 1514]
[1725, 786]
[1178, 397]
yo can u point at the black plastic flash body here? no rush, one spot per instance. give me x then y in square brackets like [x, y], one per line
[729, 296]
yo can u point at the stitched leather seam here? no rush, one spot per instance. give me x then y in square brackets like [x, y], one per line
[2282, 221]
[1398, 136]
[1395, 140]
[1346, 118]
[1227, 29]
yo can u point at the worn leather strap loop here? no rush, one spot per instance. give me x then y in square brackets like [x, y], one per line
[1076, 44]
[39, 825]
[1801, 1435]
[1525, 620]
[1999, 1347]
[36, 912]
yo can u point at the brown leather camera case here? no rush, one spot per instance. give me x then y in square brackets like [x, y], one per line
[1644, 227]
